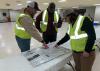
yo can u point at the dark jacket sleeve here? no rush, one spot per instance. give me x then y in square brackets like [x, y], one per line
[89, 29]
[38, 20]
[59, 22]
[64, 39]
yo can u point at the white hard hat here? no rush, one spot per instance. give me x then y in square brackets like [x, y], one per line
[33, 5]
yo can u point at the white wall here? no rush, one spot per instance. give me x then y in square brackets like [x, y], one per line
[1, 16]
[90, 11]
[97, 14]
[13, 15]
[97, 30]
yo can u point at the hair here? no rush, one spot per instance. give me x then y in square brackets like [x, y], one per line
[52, 4]
[72, 16]
[80, 11]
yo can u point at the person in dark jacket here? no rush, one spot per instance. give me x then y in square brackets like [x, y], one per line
[53, 22]
[82, 42]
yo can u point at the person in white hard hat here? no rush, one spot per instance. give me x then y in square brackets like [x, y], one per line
[25, 27]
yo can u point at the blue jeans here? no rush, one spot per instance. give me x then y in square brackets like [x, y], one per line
[24, 44]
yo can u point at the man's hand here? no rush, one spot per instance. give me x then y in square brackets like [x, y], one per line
[45, 46]
[85, 54]
[56, 46]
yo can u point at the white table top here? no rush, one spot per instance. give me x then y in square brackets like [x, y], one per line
[20, 63]
[53, 65]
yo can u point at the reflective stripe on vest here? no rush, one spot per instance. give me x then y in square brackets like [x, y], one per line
[57, 16]
[44, 22]
[19, 27]
[76, 35]
[19, 30]
[43, 17]
[68, 29]
[78, 38]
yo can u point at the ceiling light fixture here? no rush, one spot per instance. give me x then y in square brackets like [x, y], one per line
[45, 3]
[62, 0]
[75, 7]
[29, 1]
[96, 4]
[19, 4]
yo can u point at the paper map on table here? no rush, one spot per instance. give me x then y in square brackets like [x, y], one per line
[38, 56]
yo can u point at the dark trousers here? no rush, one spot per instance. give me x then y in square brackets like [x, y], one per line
[83, 63]
[24, 44]
[49, 38]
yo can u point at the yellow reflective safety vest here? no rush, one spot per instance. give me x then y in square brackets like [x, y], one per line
[19, 30]
[44, 22]
[78, 38]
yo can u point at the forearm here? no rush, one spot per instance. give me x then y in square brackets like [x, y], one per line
[30, 28]
[89, 44]
[34, 33]
[59, 23]
[64, 39]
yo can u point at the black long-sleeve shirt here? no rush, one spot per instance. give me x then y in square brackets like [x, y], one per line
[89, 29]
[50, 27]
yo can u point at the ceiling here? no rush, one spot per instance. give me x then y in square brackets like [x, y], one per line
[17, 4]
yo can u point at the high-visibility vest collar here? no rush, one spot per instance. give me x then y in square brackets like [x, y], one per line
[56, 16]
[18, 25]
[78, 24]
[19, 29]
[44, 21]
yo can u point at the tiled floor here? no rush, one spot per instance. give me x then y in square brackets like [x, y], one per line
[8, 46]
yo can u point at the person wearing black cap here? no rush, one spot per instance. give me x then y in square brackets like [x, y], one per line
[48, 22]
[25, 27]
[82, 38]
